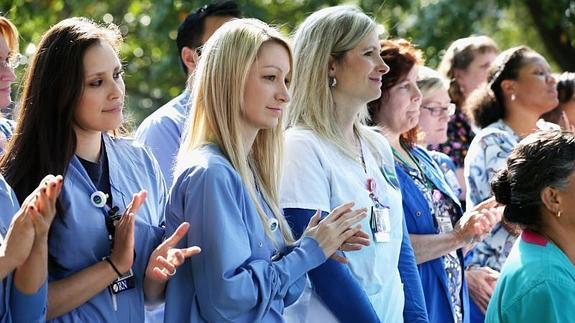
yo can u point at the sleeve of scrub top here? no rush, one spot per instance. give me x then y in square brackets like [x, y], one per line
[228, 282]
[163, 140]
[415, 309]
[550, 301]
[336, 296]
[29, 308]
[295, 291]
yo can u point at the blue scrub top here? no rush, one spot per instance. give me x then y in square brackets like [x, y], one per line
[15, 306]
[79, 237]
[234, 278]
[420, 220]
[162, 132]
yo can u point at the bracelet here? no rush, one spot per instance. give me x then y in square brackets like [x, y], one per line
[113, 266]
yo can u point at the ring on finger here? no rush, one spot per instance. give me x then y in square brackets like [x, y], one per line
[171, 273]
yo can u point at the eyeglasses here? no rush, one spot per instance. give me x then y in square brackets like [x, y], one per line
[11, 62]
[441, 111]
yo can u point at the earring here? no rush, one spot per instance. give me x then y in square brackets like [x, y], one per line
[332, 81]
[559, 214]
[512, 97]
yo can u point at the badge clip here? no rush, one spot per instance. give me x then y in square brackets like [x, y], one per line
[98, 199]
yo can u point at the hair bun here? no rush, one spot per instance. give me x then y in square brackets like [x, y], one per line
[501, 187]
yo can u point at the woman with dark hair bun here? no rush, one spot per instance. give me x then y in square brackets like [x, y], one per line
[538, 189]
[519, 90]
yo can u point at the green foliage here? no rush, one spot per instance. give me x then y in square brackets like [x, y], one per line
[153, 74]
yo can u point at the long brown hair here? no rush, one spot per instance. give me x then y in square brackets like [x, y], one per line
[44, 140]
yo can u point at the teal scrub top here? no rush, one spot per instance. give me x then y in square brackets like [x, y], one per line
[537, 284]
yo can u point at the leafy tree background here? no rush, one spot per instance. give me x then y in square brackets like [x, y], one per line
[153, 75]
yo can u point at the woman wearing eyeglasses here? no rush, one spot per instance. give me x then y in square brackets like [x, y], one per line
[437, 226]
[434, 113]
[8, 59]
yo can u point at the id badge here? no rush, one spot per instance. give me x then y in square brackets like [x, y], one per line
[380, 223]
[124, 283]
[444, 223]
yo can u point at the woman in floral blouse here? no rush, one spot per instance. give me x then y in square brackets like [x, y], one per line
[519, 90]
[465, 64]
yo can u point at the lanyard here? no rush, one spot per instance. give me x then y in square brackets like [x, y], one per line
[396, 154]
[370, 183]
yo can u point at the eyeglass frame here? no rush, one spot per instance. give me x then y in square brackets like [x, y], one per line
[441, 111]
[12, 61]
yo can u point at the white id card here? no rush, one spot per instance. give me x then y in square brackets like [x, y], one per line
[381, 223]
[444, 224]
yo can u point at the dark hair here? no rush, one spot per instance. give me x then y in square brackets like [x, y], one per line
[459, 56]
[485, 105]
[401, 56]
[44, 140]
[543, 159]
[191, 29]
[565, 91]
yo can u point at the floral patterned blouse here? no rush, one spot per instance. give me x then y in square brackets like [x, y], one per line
[488, 154]
[459, 137]
[6, 129]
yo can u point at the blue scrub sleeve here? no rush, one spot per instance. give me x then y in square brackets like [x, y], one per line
[229, 280]
[335, 296]
[415, 309]
[162, 138]
[295, 290]
[29, 308]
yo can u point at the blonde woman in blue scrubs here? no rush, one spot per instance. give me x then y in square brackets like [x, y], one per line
[226, 185]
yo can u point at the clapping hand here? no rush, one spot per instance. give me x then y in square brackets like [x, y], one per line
[166, 258]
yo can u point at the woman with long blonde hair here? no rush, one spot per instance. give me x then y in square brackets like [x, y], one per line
[331, 157]
[226, 184]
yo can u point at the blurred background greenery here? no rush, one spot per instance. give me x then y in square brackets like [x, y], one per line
[153, 75]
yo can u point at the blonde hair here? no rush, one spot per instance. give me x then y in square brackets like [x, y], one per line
[430, 80]
[459, 56]
[326, 34]
[10, 34]
[217, 92]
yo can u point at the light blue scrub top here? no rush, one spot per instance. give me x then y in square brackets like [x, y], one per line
[162, 131]
[79, 238]
[15, 306]
[234, 277]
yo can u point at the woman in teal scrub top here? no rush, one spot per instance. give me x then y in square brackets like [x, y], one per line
[537, 282]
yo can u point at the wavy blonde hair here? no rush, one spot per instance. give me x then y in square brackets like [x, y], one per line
[326, 34]
[218, 90]
[430, 80]
[458, 56]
